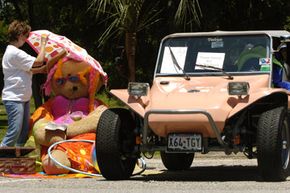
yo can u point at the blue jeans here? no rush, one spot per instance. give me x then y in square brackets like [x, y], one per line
[18, 114]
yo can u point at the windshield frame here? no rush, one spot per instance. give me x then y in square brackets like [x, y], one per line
[192, 37]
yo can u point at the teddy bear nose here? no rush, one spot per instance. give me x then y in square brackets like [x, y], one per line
[74, 88]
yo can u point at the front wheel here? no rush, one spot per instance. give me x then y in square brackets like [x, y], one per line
[177, 161]
[273, 142]
[115, 144]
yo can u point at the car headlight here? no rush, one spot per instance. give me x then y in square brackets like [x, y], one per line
[238, 88]
[138, 89]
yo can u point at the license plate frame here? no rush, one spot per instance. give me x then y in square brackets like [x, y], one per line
[184, 142]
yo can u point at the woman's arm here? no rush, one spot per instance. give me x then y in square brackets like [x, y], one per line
[38, 70]
[40, 57]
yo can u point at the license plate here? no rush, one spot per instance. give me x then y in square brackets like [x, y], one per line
[184, 142]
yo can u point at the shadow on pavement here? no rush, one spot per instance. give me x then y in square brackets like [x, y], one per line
[202, 173]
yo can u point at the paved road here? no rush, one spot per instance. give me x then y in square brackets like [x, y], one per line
[209, 173]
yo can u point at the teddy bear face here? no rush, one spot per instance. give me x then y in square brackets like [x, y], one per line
[71, 80]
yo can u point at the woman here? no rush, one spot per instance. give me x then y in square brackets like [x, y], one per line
[18, 67]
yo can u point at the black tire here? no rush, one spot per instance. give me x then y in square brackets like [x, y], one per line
[115, 143]
[273, 145]
[177, 161]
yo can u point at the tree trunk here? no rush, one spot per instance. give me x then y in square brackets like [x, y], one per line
[30, 14]
[130, 46]
[38, 79]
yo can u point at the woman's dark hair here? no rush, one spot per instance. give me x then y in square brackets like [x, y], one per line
[17, 28]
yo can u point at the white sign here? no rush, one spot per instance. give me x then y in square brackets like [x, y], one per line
[210, 59]
[167, 65]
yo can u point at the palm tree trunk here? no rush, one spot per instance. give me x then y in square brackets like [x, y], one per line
[30, 14]
[130, 46]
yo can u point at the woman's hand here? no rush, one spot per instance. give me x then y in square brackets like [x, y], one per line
[44, 39]
[41, 55]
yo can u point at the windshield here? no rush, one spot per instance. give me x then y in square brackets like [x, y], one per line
[219, 54]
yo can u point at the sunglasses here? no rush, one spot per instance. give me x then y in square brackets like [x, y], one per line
[71, 78]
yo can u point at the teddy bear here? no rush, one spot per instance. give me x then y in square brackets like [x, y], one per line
[72, 85]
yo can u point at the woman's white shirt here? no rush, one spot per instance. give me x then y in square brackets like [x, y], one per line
[16, 66]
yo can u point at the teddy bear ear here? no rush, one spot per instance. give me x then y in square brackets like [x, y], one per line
[51, 62]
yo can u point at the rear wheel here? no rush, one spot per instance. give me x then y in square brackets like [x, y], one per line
[177, 161]
[273, 140]
[115, 144]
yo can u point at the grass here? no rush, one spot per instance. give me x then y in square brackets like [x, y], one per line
[3, 118]
[3, 121]
[104, 97]
[109, 100]
[2, 131]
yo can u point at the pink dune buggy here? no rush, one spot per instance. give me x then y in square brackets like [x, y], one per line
[211, 91]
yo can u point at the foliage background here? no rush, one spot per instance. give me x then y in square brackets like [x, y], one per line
[78, 21]
[82, 22]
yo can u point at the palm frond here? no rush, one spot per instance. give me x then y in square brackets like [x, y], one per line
[188, 13]
[103, 6]
[125, 16]
[111, 31]
[149, 17]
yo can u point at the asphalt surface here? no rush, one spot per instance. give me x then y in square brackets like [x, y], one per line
[213, 172]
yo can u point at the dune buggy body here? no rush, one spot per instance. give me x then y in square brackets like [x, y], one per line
[211, 91]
